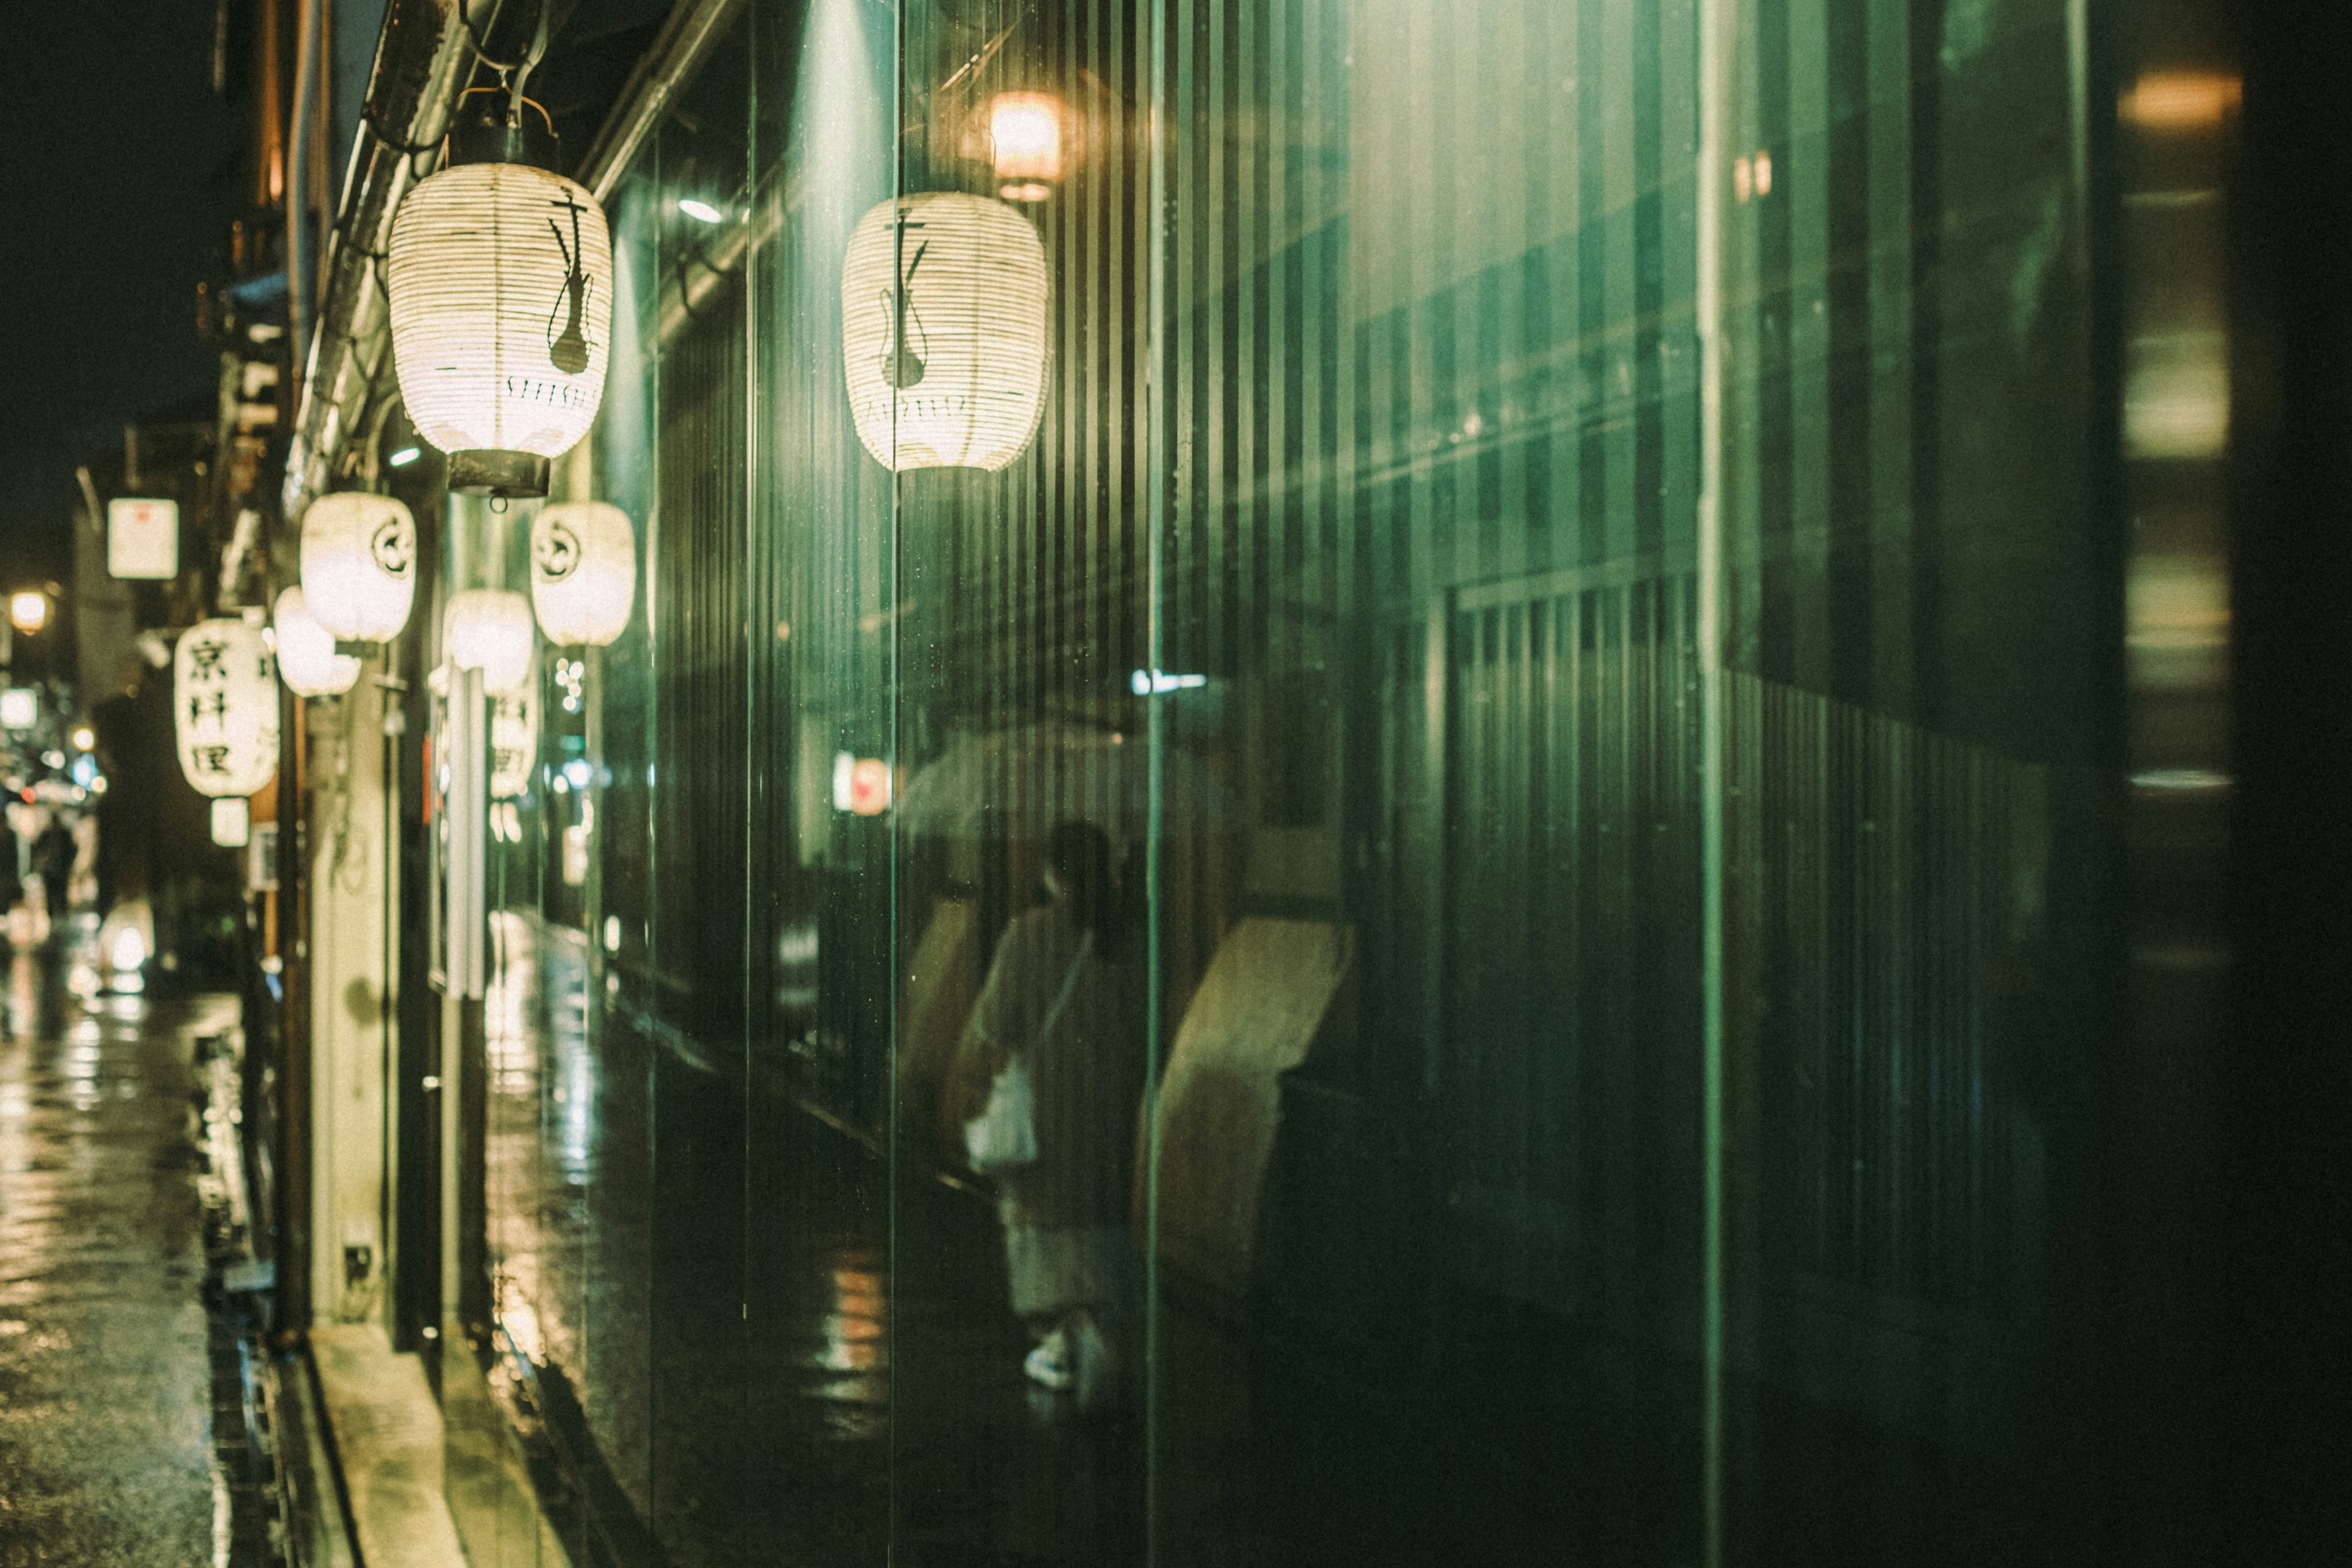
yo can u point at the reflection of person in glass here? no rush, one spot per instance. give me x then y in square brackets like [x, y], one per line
[1067, 1242]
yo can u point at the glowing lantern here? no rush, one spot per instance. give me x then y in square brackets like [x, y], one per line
[307, 660]
[488, 629]
[225, 708]
[359, 566]
[943, 329]
[500, 279]
[1025, 133]
[583, 572]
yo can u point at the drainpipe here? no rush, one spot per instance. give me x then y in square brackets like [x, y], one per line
[689, 36]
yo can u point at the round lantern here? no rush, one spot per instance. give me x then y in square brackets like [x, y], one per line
[359, 566]
[225, 708]
[943, 331]
[307, 660]
[488, 629]
[583, 572]
[501, 280]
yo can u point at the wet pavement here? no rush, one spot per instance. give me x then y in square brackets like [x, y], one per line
[753, 1345]
[105, 1383]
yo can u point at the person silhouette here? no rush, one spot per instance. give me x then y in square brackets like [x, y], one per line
[1060, 995]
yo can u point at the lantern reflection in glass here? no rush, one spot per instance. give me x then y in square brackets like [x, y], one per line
[225, 708]
[943, 304]
[514, 742]
[359, 566]
[500, 277]
[583, 572]
[489, 629]
[307, 658]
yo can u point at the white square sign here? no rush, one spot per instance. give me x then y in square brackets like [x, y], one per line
[143, 538]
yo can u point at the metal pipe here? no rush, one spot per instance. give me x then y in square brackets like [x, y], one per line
[422, 59]
[297, 164]
[686, 38]
[468, 742]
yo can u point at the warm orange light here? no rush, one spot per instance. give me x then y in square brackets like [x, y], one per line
[1026, 129]
[2179, 101]
[29, 611]
[869, 786]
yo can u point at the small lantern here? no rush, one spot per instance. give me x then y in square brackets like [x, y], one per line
[583, 572]
[943, 304]
[488, 629]
[307, 660]
[501, 280]
[359, 566]
[225, 708]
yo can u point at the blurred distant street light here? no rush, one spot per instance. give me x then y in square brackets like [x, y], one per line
[85, 739]
[29, 611]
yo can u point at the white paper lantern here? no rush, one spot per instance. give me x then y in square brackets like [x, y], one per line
[359, 565]
[307, 660]
[500, 279]
[583, 572]
[225, 708]
[489, 629]
[943, 304]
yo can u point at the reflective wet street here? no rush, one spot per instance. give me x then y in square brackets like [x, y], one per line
[105, 1425]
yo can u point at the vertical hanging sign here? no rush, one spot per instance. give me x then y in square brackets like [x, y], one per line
[225, 708]
[142, 539]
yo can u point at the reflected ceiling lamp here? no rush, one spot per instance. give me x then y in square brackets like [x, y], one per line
[500, 277]
[359, 566]
[307, 660]
[489, 629]
[225, 708]
[943, 302]
[1025, 136]
[583, 572]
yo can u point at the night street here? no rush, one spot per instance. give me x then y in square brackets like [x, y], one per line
[1175, 783]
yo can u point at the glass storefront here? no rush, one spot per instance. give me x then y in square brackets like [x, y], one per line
[1481, 634]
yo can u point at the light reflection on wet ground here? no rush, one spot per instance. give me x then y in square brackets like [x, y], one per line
[105, 1395]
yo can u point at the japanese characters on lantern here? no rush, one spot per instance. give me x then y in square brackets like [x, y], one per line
[225, 708]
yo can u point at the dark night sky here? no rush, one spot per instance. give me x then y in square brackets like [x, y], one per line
[119, 177]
